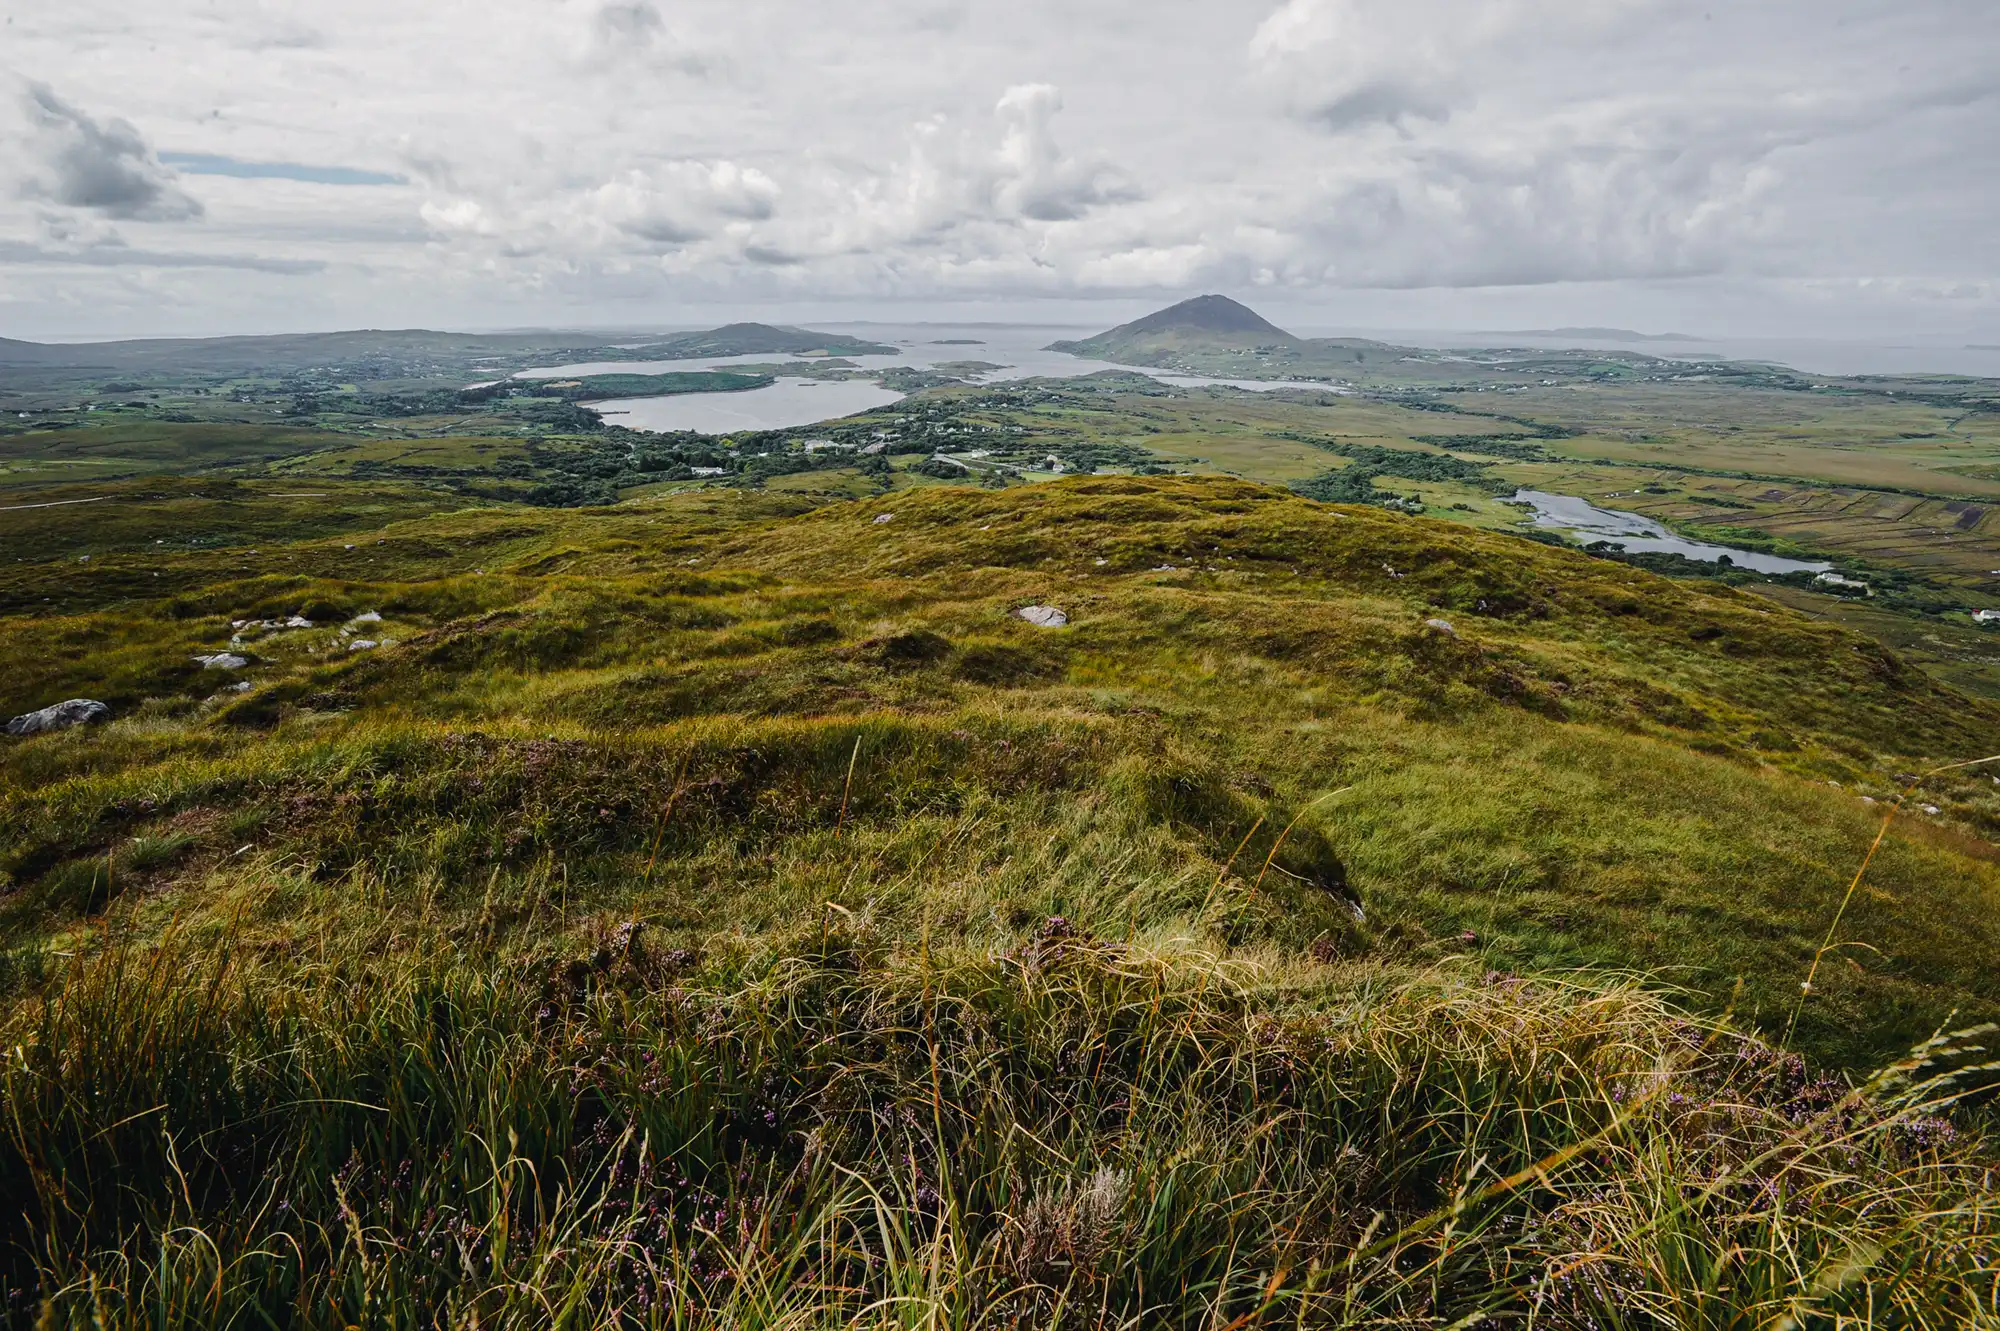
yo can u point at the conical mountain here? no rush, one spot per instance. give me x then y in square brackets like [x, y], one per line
[1217, 315]
[1204, 324]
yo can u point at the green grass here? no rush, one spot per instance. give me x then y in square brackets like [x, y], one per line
[157, 524]
[1597, 767]
[152, 447]
[834, 1129]
[719, 910]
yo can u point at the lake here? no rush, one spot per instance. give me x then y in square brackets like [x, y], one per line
[1587, 522]
[786, 403]
[1018, 349]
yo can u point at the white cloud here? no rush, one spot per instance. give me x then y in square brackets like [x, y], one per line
[572, 156]
[1035, 178]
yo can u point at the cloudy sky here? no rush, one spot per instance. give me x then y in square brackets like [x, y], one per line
[1748, 166]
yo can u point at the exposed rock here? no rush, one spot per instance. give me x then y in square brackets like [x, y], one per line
[362, 644]
[298, 622]
[1442, 626]
[881, 518]
[368, 617]
[223, 661]
[75, 712]
[1043, 616]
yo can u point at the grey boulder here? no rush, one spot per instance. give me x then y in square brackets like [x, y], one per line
[75, 712]
[1043, 616]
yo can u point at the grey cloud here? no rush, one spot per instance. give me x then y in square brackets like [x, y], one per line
[663, 231]
[119, 256]
[635, 30]
[289, 38]
[630, 21]
[1462, 219]
[1387, 101]
[942, 18]
[104, 168]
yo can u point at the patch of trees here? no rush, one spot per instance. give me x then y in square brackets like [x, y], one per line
[1354, 483]
[600, 386]
[1515, 447]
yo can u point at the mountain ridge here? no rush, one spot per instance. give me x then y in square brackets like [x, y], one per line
[429, 349]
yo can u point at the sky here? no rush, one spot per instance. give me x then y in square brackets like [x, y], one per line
[1825, 168]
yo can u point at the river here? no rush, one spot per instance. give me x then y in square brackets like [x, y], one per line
[1587, 523]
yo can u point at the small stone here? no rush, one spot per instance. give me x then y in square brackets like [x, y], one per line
[222, 661]
[881, 518]
[1043, 616]
[1932, 809]
[362, 644]
[1442, 626]
[367, 617]
[298, 622]
[74, 712]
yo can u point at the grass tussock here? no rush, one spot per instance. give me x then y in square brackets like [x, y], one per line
[831, 1131]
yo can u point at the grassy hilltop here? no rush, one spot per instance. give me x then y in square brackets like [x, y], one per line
[719, 910]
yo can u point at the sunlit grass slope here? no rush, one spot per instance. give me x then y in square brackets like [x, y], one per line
[709, 912]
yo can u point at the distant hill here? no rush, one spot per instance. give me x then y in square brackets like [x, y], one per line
[750, 339]
[294, 350]
[413, 353]
[1217, 335]
[1206, 323]
[1599, 334]
[1205, 314]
